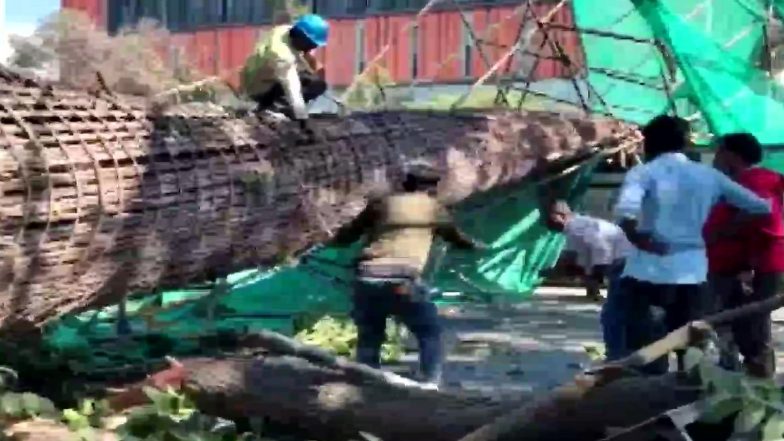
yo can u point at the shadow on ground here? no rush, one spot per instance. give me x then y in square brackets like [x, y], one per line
[506, 350]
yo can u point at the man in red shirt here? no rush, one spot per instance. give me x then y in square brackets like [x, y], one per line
[746, 254]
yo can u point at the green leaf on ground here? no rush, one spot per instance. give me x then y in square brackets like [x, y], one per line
[749, 418]
[11, 405]
[721, 406]
[774, 428]
[693, 358]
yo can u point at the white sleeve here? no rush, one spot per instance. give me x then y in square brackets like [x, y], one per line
[576, 244]
[632, 193]
[289, 78]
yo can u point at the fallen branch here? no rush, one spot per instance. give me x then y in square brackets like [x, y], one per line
[694, 332]
[585, 408]
[567, 396]
[676, 419]
[279, 344]
[317, 394]
[190, 87]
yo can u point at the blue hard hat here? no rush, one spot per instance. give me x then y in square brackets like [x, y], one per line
[314, 27]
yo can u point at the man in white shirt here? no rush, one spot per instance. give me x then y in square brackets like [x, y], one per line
[601, 248]
[662, 207]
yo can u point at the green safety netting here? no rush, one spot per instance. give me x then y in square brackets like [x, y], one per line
[699, 58]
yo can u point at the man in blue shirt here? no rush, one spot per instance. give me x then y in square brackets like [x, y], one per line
[662, 207]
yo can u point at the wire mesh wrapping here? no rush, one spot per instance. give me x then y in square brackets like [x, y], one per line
[104, 196]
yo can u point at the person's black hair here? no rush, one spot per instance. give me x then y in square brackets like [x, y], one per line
[743, 145]
[665, 133]
[414, 182]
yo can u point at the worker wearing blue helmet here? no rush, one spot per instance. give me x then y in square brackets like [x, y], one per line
[282, 74]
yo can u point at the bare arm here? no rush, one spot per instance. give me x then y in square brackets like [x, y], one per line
[289, 79]
[314, 64]
[357, 228]
[448, 231]
[453, 235]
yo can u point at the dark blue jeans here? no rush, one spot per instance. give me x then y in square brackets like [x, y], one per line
[374, 303]
[614, 315]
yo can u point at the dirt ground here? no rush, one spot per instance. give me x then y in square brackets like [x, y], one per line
[528, 347]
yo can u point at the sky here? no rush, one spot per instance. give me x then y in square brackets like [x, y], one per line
[21, 17]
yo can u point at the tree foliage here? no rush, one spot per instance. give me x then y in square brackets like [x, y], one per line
[339, 335]
[756, 405]
[168, 416]
[70, 48]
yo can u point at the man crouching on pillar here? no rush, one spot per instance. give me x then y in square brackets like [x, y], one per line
[282, 74]
[398, 232]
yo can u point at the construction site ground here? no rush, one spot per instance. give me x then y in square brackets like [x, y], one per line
[528, 347]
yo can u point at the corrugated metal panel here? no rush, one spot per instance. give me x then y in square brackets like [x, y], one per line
[221, 51]
[206, 51]
[506, 29]
[399, 58]
[376, 37]
[440, 36]
[234, 46]
[198, 50]
[340, 54]
[95, 9]
[495, 28]
[178, 52]
[441, 42]
[550, 66]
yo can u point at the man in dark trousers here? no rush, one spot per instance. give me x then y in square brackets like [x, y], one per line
[662, 207]
[746, 254]
[398, 232]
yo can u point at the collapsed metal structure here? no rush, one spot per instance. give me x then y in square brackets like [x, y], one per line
[105, 195]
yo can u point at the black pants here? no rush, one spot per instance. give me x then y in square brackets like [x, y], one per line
[753, 335]
[680, 304]
[313, 87]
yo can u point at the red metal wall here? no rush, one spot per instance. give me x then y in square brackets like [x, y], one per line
[222, 51]
[96, 9]
[338, 57]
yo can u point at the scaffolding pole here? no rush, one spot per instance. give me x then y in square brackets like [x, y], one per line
[509, 54]
[382, 53]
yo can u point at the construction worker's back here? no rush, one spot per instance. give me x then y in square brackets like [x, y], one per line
[404, 230]
[283, 73]
[273, 55]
